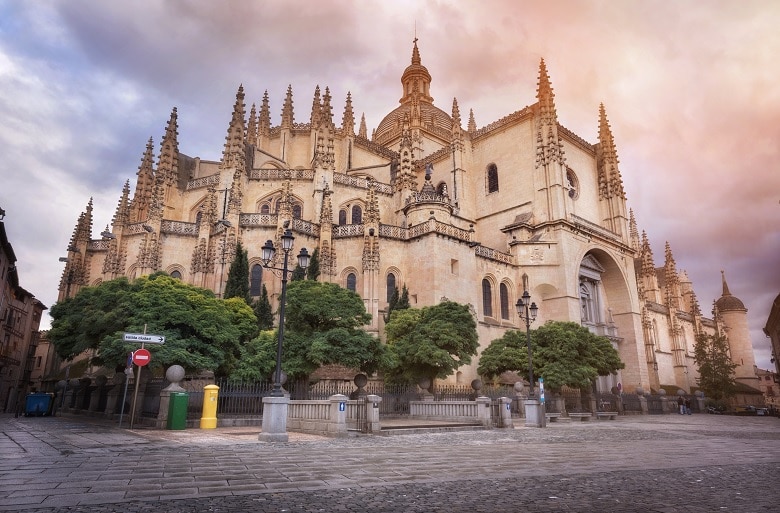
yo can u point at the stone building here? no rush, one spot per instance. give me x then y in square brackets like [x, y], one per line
[20, 319]
[428, 200]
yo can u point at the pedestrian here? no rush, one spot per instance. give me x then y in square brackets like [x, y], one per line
[681, 405]
[687, 406]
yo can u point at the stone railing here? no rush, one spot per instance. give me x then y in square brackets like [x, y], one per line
[333, 416]
[134, 229]
[492, 254]
[265, 220]
[393, 232]
[205, 181]
[98, 245]
[362, 183]
[477, 411]
[301, 226]
[179, 228]
[281, 174]
[343, 231]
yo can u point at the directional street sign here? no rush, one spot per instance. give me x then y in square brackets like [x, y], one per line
[146, 338]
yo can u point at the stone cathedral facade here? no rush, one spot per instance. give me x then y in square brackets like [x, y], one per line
[474, 215]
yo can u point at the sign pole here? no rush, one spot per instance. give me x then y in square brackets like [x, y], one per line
[137, 383]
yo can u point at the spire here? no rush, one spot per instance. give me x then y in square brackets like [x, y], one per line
[416, 60]
[549, 148]
[633, 230]
[122, 213]
[455, 115]
[363, 132]
[168, 163]
[234, 154]
[472, 123]
[327, 110]
[416, 80]
[372, 204]
[264, 125]
[348, 121]
[648, 265]
[287, 110]
[316, 109]
[251, 127]
[725, 285]
[672, 280]
[610, 181]
[139, 207]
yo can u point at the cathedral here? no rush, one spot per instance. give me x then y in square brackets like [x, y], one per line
[473, 215]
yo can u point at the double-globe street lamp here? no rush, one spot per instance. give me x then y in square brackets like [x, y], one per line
[267, 257]
[527, 310]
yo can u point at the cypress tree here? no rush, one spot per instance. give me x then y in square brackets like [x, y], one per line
[238, 276]
[264, 311]
[313, 271]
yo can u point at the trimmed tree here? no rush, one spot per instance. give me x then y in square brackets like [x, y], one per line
[238, 276]
[264, 311]
[313, 271]
[564, 354]
[431, 342]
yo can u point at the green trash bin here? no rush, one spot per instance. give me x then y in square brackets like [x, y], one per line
[177, 410]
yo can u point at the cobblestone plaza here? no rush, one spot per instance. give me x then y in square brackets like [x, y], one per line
[664, 463]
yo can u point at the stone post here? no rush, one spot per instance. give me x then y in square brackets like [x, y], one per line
[505, 410]
[372, 413]
[534, 414]
[174, 375]
[337, 426]
[483, 411]
[274, 419]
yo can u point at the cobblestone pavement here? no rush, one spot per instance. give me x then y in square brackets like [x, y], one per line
[666, 464]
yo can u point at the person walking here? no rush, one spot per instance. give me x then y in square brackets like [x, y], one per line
[687, 405]
[681, 405]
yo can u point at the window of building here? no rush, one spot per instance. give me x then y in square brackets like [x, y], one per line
[390, 286]
[256, 280]
[38, 361]
[296, 211]
[352, 282]
[573, 184]
[588, 301]
[176, 274]
[342, 217]
[503, 292]
[265, 209]
[492, 178]
[357, 214]
[487, 299]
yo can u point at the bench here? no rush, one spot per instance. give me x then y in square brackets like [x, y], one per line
[608, 415]
[552, 417]
[584, 417]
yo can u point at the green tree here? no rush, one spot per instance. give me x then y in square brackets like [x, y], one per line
[716, 370]
[258, 358]
[430, 342]
[397, 302]
[564, 354]
[264, 311]
[201, 332]
[323, 325]
[298, 274]
[313, 271]
[238, 276]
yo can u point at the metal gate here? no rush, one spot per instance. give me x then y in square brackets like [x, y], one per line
[496, 419]
[361, 415]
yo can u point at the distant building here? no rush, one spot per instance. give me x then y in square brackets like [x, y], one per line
[772, 330]
[769, 386]
[20, 318]
[474, 215]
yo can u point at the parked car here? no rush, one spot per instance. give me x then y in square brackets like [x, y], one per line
[745, 410]
[762, 411]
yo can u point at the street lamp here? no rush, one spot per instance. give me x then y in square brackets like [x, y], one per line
[527, 312]
[303, 261]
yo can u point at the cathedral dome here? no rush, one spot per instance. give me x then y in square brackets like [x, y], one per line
[416, 104]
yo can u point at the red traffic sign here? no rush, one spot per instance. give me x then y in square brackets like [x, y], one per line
[141, 357]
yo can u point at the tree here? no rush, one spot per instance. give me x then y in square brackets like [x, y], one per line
[238, 276]
[258, 358]
[298, 274]
[564, 354]
[397, 302]
[430, 342]
[716, 370]
[201, 332]
[313, 271]
[323, 325]
[264, 311]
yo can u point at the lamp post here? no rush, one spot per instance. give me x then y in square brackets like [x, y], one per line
[527, 310]
[303, 261]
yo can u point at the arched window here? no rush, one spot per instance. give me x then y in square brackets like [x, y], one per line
[390, 286]
[198, 217]
[176, 274]
[504, 296]
[492, 178]
[352, 282]
[357, 214]
[296, 211]
[487, 299]
[265, 209]
[278, 205]
[572, 183]
[342, 217]
[256, 280]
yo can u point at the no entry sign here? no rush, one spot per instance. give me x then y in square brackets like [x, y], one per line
[141, 357]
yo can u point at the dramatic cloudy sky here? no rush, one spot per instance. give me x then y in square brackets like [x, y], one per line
[691, 91]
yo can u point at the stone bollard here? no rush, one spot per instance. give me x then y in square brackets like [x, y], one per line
[372, 413]
[505, 410]
[337, 425]
[174, 375]
[483, 411]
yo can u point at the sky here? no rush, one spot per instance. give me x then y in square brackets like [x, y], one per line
[690, 89]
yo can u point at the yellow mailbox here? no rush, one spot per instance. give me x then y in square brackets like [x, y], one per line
[208, 420]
